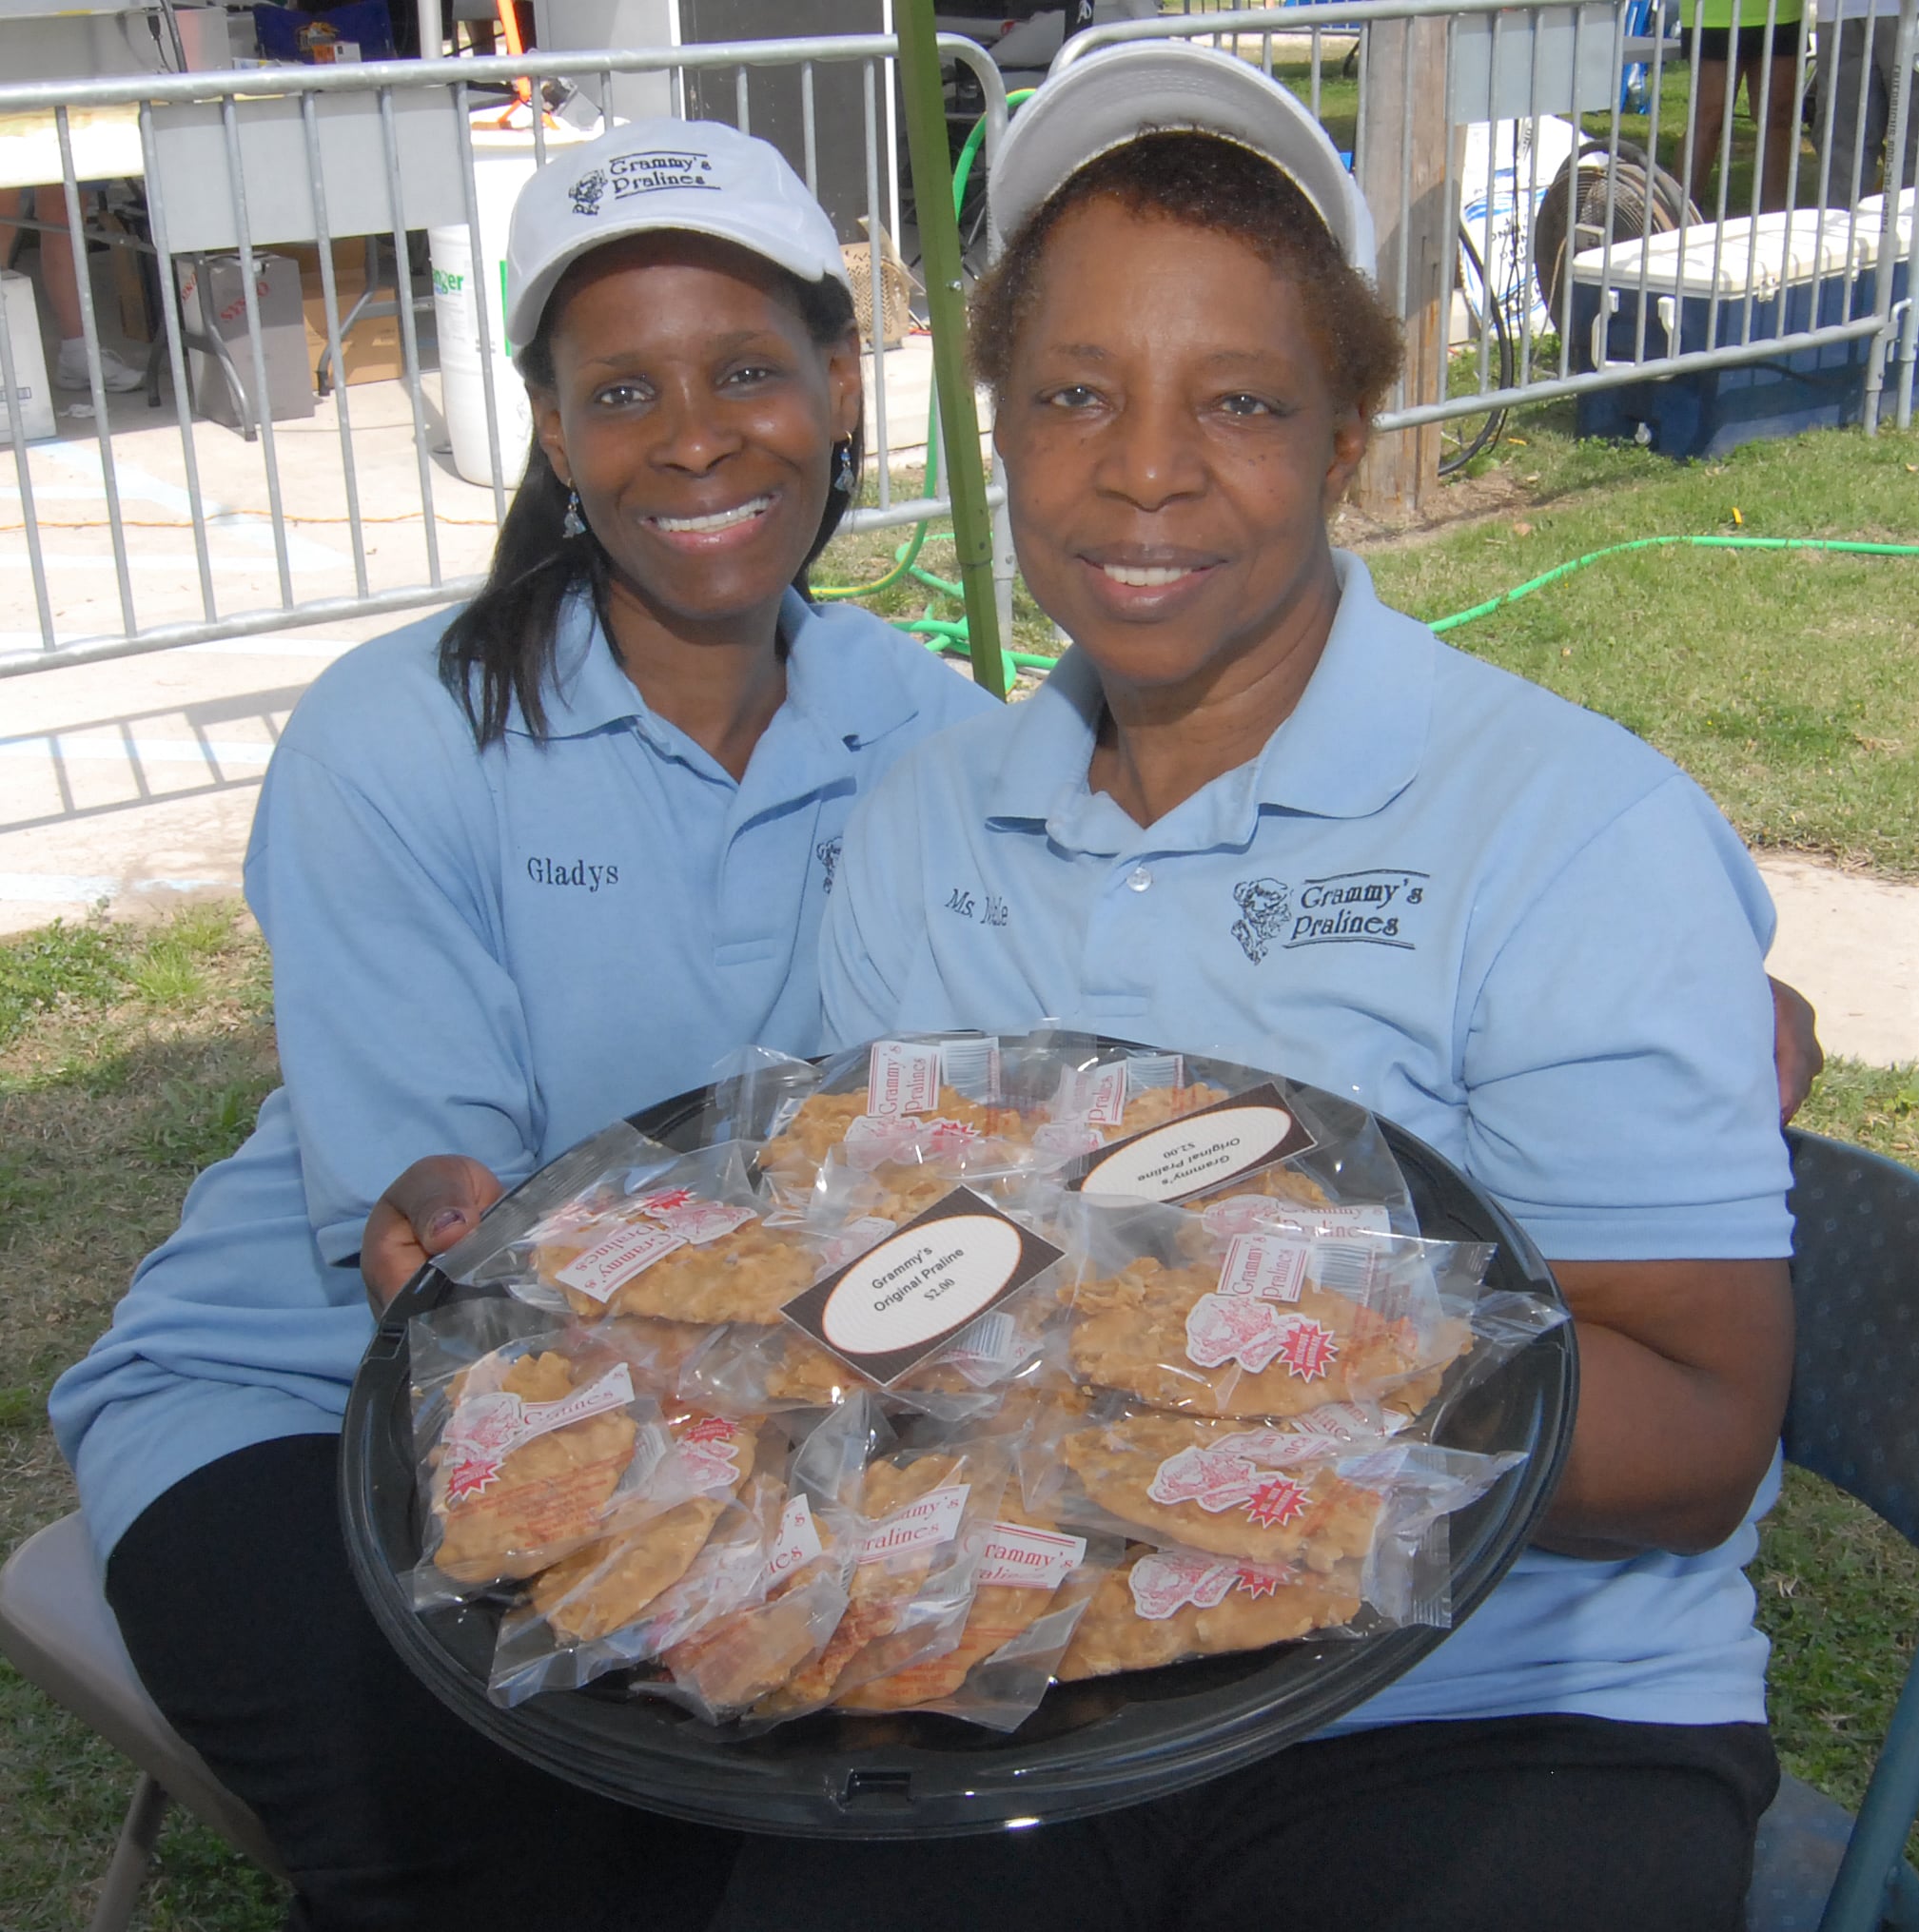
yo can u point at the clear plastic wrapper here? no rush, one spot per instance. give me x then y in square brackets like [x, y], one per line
[886, 1123]
[1213, 1314]
[683, 1242]
[726, 1664]
[773, 1369]
[890, 1126]
[527, 1439]
[1263, 1493]
[1275, 1494]
[635, 1597]
[487, 1256]
[1034, 1582]
[1162, 1607]
[923, 1511]
[754, 1094]
[654, 1527]
[1333, 1162]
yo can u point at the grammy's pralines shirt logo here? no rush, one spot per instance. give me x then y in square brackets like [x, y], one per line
[1376, 908]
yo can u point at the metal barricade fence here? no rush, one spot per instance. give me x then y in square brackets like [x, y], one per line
[1530, 102]
[1516, 226]
[236, 163]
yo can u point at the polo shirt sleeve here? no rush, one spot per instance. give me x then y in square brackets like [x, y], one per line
[873, 916]
[400, 1031]
[1622, 1096]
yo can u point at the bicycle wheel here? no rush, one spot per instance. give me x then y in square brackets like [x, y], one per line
[1461, 438]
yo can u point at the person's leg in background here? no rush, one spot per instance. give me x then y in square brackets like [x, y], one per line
[1859, 110]
[239, 1611]
[1709, 117]
[1780, 132]
[58, 270]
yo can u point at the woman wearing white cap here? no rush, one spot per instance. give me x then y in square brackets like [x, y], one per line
[522, 872]
[1253, 812]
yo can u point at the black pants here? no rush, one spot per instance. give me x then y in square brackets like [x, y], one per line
[1534, 1824]
[233, 1594]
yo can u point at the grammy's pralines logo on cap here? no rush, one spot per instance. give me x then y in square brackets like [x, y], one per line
[642, 172]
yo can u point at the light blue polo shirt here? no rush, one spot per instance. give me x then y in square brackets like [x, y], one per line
[490, 953]
[1495, 918]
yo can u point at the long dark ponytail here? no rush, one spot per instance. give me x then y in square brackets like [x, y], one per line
[500, 648]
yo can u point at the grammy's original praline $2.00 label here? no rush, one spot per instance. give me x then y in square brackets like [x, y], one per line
[906, 1297]
[1198, 1152]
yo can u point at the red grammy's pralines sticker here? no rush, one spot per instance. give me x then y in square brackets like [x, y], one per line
[1198, 1152]
[910, 1295]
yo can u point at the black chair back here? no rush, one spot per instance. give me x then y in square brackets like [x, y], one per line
[1854, 1413]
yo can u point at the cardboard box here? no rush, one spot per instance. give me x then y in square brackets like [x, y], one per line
[29, 360]
[213, 302]
[372, 349]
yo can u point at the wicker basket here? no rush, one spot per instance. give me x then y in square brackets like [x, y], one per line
[896, 285]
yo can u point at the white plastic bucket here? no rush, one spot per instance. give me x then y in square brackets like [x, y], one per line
[503, 160]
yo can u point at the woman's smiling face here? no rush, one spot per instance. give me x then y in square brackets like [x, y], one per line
[1172, 448]
[695, 417]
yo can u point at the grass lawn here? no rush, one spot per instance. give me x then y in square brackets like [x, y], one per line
[1786, 682]
[129, 1057]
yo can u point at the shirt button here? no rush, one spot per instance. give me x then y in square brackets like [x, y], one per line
[1140, 878]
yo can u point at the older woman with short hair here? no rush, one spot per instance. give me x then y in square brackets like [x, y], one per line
[1255, 812]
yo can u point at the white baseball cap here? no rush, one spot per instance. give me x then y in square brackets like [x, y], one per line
[702, 177]
[1086, 107]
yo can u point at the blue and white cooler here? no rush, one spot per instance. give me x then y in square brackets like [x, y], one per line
[1688, 292]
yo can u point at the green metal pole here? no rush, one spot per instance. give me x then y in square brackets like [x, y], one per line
[939, 239]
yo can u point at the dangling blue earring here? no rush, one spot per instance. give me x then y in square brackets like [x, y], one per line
[842, 466]
[572, 524]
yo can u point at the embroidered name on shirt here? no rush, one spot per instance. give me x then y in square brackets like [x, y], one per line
[984, 908]
[827, 852]
[1375, 908]
[559, 872]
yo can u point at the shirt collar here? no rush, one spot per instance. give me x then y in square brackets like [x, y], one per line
[838, 672]
[1351, 745]
[587, 691]
[829, 682]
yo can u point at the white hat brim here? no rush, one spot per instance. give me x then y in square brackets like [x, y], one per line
[770, 246]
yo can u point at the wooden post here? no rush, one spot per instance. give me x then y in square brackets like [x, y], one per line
[1402, 169]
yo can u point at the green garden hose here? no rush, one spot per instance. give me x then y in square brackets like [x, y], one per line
[1565, 569]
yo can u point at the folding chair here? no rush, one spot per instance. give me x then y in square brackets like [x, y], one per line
[59, 1634]
[1853, 1419]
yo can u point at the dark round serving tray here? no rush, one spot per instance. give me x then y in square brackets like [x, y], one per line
[1090, 1746]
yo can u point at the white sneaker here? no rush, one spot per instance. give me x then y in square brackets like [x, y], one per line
[116, 375]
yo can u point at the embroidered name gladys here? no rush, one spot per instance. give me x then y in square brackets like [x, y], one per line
[558, 873]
